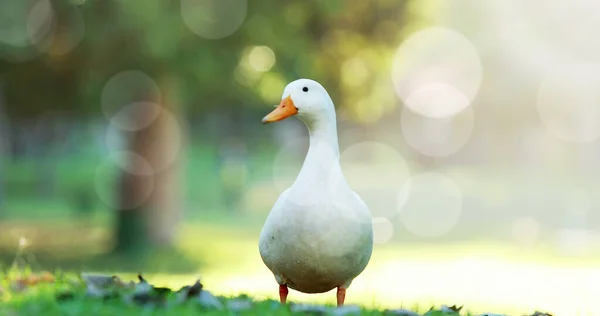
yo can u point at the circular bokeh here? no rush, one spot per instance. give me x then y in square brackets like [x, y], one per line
[383, 230]
[65, 34]
[24, 22]
[375, 171]
[437, 100]
[161, 145]
[126, 88]
[136, 116]
[213, 19]
[437, 137]
[39, 22]
[440, 57]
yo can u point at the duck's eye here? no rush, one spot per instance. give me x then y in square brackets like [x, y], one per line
[305, 89]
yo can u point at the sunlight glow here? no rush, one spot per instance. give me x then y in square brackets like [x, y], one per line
[375, 171]
[479, 283]
[433, 205]
[568, 101]
[437, 137]
[439, 56]
[437, 100]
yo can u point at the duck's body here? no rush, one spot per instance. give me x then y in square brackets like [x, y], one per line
[318, 235]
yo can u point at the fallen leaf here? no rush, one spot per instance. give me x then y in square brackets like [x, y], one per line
[104, 281]
[145, 293]
[450, 309]
[105, 287]
[21, 284]
[444, 309]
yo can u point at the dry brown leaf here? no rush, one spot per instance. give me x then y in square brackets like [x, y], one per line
[21, 284]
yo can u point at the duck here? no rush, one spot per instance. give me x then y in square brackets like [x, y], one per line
[318, 235]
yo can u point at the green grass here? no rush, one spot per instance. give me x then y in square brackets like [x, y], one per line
[67, 295]
[224, 255]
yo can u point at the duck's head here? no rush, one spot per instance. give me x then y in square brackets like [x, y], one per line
[305, 98]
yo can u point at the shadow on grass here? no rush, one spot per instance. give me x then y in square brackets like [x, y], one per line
[79, 248]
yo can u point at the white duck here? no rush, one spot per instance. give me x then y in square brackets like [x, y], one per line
[319, 234]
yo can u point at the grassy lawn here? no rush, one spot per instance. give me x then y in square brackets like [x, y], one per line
[220, 246]
[67, 294]
[483, 277]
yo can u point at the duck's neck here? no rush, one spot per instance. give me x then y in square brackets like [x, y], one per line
[323, 136]
[323, 151]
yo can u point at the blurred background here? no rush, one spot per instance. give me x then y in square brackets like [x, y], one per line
[130, 140]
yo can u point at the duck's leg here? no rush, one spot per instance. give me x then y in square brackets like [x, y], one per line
[283, 293]
[341, 296]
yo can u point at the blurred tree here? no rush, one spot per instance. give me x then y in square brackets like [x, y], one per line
[347, 47]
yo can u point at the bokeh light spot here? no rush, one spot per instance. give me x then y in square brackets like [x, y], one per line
[40, 21]
[383, 230]
[23, 22]
[261, 58]
[366, 111]
[270, 87]
[136, 116]
[436, 55]
[213, 19]
[354, 72]
[126, 88]
[569, 102]
[375, 171]
[166, 134]
[131, 162]
[23, 242]
[437, 137]
[66, 33]
[433, 206]
[437, 100]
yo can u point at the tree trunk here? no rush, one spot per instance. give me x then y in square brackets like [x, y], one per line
[149, 189]
[4, 142]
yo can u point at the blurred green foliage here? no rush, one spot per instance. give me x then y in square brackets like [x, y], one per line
[327, 40]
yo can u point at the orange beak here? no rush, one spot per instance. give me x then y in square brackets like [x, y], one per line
[284, 110]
